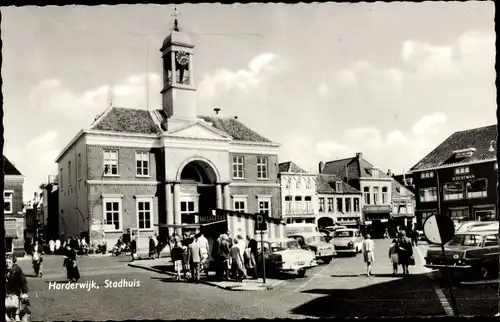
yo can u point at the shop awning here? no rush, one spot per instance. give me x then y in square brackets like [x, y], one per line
[377, 209]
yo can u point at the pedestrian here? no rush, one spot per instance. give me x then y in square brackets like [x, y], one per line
[205, 250]
[158, 245]
[225, 250]
[393, 255]
[195, 259]
[405, 252]
[16, 287]
[152, 248]
[251, 257]
[386, 233]
[216, 255]
[368, 253]
[185, 261]
[414, 237]
[176, 256]
[237, 269]
[57, 245]
[133, 247]
[52, 246]
[74, 272]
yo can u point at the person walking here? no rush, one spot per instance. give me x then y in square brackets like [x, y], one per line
[195, 259]
[225, 256]
[252, 254]
[16, 288]
[386, 233]
[205, 251]
[158, 245]
[133, 247]
[152, 248]
[405, 252]
[52, 247]
[368, 253]
[176, 256]
[238, 271]
[393, 255]
[414, 237]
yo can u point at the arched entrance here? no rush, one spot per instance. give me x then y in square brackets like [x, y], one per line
[325, 222]
[197, 179]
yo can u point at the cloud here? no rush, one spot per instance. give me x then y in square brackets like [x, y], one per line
[395, 150]
[45, 149]
[260, 68]
[53, 96]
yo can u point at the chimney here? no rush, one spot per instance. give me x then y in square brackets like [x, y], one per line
[359, 155]
[321, 166]
[217, 110]
[389, 173]
[346, 174]
[235, 117]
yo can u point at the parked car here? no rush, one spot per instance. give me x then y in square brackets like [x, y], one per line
[285, 255]
[475, 253]
[327, 234]
[348, 240]
[316, 243]
[467, 225]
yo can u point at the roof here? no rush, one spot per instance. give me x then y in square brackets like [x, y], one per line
[290, 167]
[399, 190]
[355, 168]
[119, 119]
[9, 168]
[478, 138]
[237, 130]
[325, 184]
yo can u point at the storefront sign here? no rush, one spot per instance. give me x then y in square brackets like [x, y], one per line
[464, 177]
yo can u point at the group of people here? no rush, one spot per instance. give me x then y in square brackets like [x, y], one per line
[410, 232]
[56, 246]
[400, 253]
[155, 247]
[190, 256]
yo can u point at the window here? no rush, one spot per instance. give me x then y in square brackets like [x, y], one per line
[240, 204]
[459, 214]
[7, 201]
[321, 204]
[427, 214]
[409, 208]
[69, 173]
[330, 204]
[288, 204]
[356, 204]
[309, 206]
[477, 188]
[490, 240]
[308, 184]
[262, 168]
[265, 206]
[298, 204]
[60, 179]
[348, 205]
[338, 186]
[297, 184]
[453, 191]
[142, 164]
[110, 162]
[462, 170]
[366, 194]
[79, 166]
[428, 194]
[427, 174]
[375, 195]
[339, 205]
[113, 213]
[144, 214]
[187, 211]
[385, 196]
[238, 164]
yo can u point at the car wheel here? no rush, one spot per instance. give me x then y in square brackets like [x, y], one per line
[301, 272]
[327, 260]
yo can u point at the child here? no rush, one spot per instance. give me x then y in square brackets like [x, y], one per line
[177, 253]
[185, 261]
[393, 255]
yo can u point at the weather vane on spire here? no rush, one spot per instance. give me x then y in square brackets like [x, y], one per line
[176, 14]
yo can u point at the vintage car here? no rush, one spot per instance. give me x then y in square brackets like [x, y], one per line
[316, 243]
[471, 254]
[467, 225]
[348, 240]
[285, 256]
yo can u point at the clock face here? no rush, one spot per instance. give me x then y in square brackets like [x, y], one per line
[182, 58]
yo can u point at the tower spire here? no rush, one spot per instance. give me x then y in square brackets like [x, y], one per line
[176, 14]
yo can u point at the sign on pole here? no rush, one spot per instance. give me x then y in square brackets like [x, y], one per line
[261, 226]
[439, 229]
[260, 222]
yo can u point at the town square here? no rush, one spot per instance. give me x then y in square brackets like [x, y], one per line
[198, 161]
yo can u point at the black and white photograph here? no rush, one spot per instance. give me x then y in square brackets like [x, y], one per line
[245, 161]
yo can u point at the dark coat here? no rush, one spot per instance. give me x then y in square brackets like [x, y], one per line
[405, 250]
[252, 244]
[224, 249]
[133, 245]
[15, 281]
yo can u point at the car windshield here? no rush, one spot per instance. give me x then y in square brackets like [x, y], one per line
[343, 234]
[316, 239]
[465, 240]
[289, 244]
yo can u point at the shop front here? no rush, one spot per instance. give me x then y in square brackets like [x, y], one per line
[376, 220]
[484, 212]
[14, 236]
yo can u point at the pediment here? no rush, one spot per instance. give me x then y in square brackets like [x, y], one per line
[198, 130]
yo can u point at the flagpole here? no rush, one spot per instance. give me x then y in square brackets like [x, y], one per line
[147, 79]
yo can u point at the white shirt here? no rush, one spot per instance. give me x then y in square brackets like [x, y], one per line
[368, 245]
[242, 245]
[203, 244]
[58, 244]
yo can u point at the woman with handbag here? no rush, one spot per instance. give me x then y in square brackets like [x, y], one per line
[16, 289]
[405, 252]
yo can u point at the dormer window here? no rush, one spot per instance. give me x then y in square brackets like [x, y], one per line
[465, 153]
[338, 186]
[427, 174]
[462, 170]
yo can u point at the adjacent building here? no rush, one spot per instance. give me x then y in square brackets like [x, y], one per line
[459, 177]
[403, 206]
[154, 171]
[298, 194]
[338, 202]
[14, 222]
[375, 186]
[50, 206]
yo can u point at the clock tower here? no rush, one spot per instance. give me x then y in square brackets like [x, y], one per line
[178, 83]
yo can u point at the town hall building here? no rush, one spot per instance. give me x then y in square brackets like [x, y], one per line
[137, 171]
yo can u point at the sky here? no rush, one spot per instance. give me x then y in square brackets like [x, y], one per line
[390, 80]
